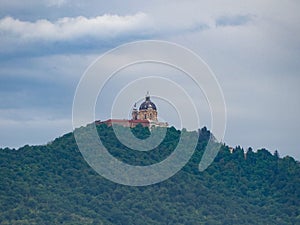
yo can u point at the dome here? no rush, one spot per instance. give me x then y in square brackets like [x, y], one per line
[147, 104]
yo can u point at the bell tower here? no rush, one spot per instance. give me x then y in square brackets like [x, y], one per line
[134, 112]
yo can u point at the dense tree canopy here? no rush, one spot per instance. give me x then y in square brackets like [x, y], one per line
[52, 184]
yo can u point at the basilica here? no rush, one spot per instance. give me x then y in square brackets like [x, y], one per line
[146, 115]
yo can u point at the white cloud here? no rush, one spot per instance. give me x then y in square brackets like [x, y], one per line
[57, 3]
[105, 26]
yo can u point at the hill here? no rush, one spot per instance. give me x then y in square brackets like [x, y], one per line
[52, 184]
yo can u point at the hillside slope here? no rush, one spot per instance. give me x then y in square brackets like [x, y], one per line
[52, 184]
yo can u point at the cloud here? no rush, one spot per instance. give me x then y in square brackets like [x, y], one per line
[105, 26]
[233, 20]
[253, 48]
[57, 3]
[38, 131]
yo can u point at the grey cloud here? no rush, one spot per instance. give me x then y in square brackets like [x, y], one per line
[253, 48]
[233, 20]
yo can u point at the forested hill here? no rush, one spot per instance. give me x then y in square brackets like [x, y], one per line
[52, 184]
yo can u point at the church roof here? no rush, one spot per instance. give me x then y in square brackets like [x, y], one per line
[147, 104]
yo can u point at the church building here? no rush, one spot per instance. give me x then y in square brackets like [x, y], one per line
[146, 115]
[147, 111]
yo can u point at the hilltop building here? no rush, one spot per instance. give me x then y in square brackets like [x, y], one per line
[146, 115]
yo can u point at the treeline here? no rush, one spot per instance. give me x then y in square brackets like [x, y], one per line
[52, 184]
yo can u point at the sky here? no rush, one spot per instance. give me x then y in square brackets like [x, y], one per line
[253, 48]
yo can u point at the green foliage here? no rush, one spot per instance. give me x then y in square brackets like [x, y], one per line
[52, 184]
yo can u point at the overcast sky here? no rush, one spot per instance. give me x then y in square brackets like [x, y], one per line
[253, 48]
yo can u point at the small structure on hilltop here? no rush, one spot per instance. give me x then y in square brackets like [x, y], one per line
[146, 115]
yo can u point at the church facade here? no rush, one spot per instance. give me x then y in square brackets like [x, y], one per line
[146, 115]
